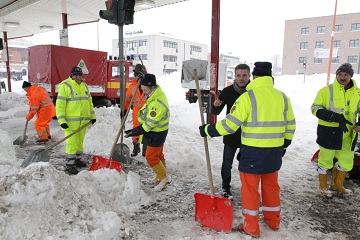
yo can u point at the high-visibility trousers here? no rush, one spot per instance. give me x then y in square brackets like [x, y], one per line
[154, 155]
[135, 124]
[345, 156]
[74, 144]
[41, 124]
[250, 198]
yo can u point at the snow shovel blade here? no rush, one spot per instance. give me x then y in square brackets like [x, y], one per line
[20, 140]
[99, 162]
[40, 155]
[214, 212]
[315, 156]
[122, 153]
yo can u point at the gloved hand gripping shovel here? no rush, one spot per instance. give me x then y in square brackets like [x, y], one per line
[211, 211]
[22, 139]
[43, 155]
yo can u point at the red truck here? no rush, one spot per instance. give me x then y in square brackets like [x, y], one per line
[51, 64]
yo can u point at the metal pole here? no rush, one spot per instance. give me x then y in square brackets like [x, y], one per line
[121, 66]
[331, 46]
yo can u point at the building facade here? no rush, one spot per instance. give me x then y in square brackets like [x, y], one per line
[307, 44]
[160, 53]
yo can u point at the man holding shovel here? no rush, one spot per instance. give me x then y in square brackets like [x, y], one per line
[154, 119]
[41, 105]
[267, 128]
[139, 101]
[74, 108]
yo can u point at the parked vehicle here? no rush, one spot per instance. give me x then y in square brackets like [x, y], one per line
[51, 64]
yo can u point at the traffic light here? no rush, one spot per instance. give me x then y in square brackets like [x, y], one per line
[111, 12]
[304, 64]
[126, 11]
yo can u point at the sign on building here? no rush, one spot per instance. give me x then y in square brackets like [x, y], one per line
[325, 53]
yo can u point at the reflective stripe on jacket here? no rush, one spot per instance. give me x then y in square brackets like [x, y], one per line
[155, 114]
[74, 103]
[335, 98]
[263, 124]
[39, 98]
[154, 118]
[139, 99]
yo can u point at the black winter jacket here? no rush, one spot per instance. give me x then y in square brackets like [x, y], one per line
[228, 97]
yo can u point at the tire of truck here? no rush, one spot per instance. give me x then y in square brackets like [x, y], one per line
[101, 102]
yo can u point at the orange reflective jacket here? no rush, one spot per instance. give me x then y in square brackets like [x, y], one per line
[39, 99]
[139, 101]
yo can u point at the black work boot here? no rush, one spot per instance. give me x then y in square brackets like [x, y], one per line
[79, 163]
[136, 150]
[71, 169]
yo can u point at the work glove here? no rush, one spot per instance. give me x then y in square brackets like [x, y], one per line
[128, 133]
[28, 118]
[93, 121]
[202, 130]
[64, 126]
[123, 114]
[343, 127]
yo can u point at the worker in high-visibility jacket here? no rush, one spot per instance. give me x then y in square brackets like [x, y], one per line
[74, 108]
[267, 125]
[154, 119]
[337, 108]
[40, 104]
[138, 102]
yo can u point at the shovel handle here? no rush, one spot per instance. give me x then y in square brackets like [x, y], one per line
[68, 136]
[123, 123]
[205, 138]
[26, 125]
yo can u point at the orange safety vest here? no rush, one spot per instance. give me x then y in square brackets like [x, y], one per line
[138, 102]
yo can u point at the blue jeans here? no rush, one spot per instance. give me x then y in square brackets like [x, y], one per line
[228, 158]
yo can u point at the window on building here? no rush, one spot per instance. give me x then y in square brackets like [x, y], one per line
[335, 59]
[304, 45]
[352, 59]
[170, 44]
[305, 31]
[194, 48]
[169, 58]
[319, 44]
[131, 45]
[317, 60]
[338, 28]
[354, 43]
[302, 59]
[142, 56]
[320, 29]
[355, 27]
[142, 42]
[337, 43]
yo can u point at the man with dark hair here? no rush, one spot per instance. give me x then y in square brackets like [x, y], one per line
[231, 142]
[336, 107]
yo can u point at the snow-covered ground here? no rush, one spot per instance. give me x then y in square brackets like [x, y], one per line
[43, 202]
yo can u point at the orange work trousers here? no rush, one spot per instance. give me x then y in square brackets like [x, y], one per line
[154, 155]
[250, 198]
[41, 124]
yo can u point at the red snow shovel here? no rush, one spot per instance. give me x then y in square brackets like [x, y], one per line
[211, 211]
[101, 162]
[315, 156]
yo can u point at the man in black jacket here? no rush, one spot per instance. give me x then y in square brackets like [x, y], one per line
[231, 142]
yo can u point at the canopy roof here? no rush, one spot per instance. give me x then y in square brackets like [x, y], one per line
[21, 18]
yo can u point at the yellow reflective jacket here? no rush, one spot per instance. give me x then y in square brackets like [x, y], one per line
[264, 113]
[336, 99]
[74, 104]
[155, 114]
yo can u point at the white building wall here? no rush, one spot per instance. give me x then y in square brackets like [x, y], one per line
[155, 51]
